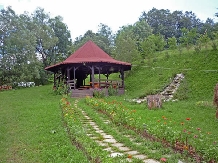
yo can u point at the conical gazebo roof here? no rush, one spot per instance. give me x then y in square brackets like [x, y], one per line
[89, 53]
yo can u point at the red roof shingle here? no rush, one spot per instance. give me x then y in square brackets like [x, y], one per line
[89, 53]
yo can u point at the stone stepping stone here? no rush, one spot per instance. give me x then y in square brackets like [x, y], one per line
[132, 152]
[99, 131]
[87, 117]
[110, 140]
[106, 122]
[123, 148]
[96, 127]
[93, 137]
[132, 139]
[137, 143]
[128, 136]
[150, 161]
[108, 149]
[117, 145]
[92, 123]
[103, 134]
[101, 143]
[116, 154]
[141, 157]
[107, 136]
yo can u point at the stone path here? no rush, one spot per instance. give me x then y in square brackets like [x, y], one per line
[109, 143]
[168, 92]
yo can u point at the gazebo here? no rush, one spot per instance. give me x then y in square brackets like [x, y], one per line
[89, 60]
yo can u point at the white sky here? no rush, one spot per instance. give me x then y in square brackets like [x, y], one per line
[83, 15]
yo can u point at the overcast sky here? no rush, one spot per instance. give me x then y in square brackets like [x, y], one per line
[83, 15]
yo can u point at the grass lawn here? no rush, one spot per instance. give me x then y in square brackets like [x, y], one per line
[31, 128]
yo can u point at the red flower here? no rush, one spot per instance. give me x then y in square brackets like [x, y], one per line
[129, 156]
[188, 119]
[198, 129]
[163, 159]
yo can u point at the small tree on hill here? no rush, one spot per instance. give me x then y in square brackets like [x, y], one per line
[172, 42]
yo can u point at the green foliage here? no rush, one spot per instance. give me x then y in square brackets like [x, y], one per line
[61, 89]
[98, 93]
[172, 42]
[103, 38]
[188, 37]
[204, 39]
[112, 91]
[183, 91]
[126, 47]
[25, 34]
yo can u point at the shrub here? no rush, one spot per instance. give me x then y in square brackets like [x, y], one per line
[98, 93]
[112, 91]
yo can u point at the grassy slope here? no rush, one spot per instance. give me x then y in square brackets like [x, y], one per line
[145, 80]
[31, 128]
[149, 78]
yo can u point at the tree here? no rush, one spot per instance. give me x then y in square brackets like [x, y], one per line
[204, 39]
[148, 48]
[170, 24]
[172, 42]
[141, 30]
[125, 45]
[23, 38]
[189, 37]
[160, 21]
[62, 48]
[17, 49]
[45, 36]
[208, 26]
[152, 44]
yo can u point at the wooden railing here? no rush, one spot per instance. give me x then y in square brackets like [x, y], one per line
[104, 83]
[71, 84]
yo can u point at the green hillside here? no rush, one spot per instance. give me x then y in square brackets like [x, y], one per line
[200, 70]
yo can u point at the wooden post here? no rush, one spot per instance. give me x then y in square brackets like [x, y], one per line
[122, 77]
[68, 73]
[54, 86]
[74, 77]
[99, 76]
[93, 76]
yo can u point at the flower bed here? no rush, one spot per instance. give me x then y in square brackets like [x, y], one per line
[183, 136]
